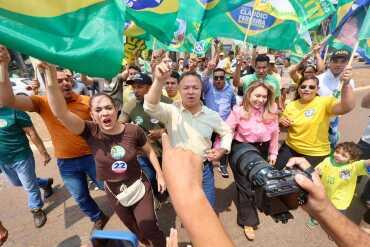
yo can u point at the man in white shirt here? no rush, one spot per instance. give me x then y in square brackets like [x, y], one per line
[189, 123]
[330, 86]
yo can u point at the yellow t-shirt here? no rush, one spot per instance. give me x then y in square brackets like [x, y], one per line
[308, 133]
[128, 94]
[177, 97]
[340, 180]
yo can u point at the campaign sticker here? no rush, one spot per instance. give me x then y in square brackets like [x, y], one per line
[3, 123]
[139, 120]
[309, 112]
[119, 167]
[117, 152]
[154, 121]
[345, 174]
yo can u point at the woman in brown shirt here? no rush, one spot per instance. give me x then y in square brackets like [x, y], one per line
[115, 146]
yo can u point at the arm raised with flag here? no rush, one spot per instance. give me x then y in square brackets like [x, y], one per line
[7, 97]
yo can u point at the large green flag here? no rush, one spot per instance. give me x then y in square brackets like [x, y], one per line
[82, 35]
[173, 22]
[193, 13]
[311, 12]
[301, 46]
[352, 28]
[133, 30]
[156, 17]
[343, 7]
[265, 29]
[364, 35]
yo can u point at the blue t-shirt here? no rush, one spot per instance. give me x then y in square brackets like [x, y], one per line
[14, 145]
[221, 101]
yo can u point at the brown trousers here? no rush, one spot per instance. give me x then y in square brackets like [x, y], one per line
[139, 218]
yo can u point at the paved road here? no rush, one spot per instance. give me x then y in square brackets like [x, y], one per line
[67, 226]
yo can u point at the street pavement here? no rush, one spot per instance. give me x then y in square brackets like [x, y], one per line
[68, 227]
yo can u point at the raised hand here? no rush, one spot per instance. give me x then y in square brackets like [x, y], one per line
[4, 63]
[162, 72]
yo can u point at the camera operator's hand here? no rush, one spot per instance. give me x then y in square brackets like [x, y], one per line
[317, 201]
[193, 206]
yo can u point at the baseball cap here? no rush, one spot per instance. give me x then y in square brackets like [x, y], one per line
[341, 53]
[140, 78]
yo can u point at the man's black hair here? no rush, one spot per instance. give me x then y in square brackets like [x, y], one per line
[219, 69]
[175, 75]
[135, 67]
[262, 58]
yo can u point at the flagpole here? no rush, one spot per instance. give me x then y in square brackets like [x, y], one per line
[154, 46]
[326, 52]
[353, 53]
[249, 26]
[2, 74]
[351, 59]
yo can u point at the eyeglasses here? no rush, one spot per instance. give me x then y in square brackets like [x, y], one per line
[311, 87]
[217, 78]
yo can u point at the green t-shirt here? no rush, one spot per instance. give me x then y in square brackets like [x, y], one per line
[269, 79]
[138, 116]
[14, 145]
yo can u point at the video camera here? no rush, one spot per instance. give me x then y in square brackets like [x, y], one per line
[276, 191]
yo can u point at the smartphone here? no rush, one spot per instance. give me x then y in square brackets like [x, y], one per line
[113, 239]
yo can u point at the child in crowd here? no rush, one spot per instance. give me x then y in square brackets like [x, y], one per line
[339, 174]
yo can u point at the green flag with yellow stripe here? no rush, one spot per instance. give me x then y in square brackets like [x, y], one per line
[83, 35]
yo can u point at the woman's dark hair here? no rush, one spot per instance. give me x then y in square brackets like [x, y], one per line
[308, 66]
[351, 148]
[99, 95]
[135, 67]
[190, 73]
[314, 78]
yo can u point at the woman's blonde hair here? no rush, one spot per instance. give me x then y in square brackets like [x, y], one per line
[270, 109]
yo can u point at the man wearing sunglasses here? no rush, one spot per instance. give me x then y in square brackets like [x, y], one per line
[219, 96]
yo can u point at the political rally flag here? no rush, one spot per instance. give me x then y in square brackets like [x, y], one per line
[311, 13]
[364, 35]
[265, 29]
[82, 35]
[156, 17]
[134, 31]
[346, 35]
[175, 24]
[343, 8]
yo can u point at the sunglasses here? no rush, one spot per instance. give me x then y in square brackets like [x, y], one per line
[311, 87]
[219, 78]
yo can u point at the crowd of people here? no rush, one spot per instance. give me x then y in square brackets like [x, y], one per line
[120, 135]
